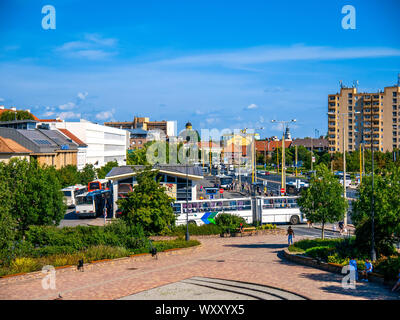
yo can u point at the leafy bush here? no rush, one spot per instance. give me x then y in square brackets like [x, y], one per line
[320, 252]
[293, 248]
[307, 244]
[389, 266]
[229, 222]
[266, 227]
[205, 229]
[22, 264]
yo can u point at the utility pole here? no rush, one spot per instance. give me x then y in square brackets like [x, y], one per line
[344, 169]
[285, 124]
[295, 156]
[373, 253]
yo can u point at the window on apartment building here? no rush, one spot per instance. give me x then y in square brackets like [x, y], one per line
[394, 139]
[350, 108]
[350, 101]
[376, 96]
[350, 140]
[395, 133]
[367, 97]
[350, 127]
[394, 120]
[394, 100]
[394, 114]
[350, 95]
[394, 94]
[394, 107]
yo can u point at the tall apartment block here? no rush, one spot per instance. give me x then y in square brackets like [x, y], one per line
[366, 119]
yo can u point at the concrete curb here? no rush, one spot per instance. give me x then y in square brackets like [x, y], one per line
[331, 267]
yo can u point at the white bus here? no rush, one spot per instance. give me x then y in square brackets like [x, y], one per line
[70, 194]
[264, 209]
[92, 204]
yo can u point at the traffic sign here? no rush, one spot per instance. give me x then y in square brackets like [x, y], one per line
[221, 190]
[283, 190]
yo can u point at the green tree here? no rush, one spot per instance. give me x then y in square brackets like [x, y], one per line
[16, 115]
[36, 193]
[322, 202]
[148, 205]
[87, 174]
[7, 223]
[102, 172]
[69, 176]
[386, 212]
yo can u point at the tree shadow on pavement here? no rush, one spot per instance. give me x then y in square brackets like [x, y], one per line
[362, 290]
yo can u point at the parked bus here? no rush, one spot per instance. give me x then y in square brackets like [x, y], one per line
[92, 204]
[263, 209]
[70, 194]
[100, 184]
[224, 181]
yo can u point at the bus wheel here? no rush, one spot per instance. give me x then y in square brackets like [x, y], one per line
[294, 220]
[192, 222]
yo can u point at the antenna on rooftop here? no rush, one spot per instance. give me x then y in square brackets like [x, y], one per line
[398, 79]
[341, 84]
[355, 84]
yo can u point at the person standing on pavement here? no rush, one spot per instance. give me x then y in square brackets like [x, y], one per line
[290, 234]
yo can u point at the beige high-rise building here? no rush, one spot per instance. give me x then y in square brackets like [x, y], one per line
[365, 117]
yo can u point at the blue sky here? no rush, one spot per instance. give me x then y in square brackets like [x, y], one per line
[219, 64]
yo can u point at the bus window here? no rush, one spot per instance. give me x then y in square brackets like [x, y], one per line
[268, 203]
[67, 193]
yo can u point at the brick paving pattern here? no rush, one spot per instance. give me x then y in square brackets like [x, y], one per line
[250, 259]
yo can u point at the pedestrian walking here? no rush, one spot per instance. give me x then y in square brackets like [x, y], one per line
[290, 234]
[341, 225]
[397, 285]
[367, 271]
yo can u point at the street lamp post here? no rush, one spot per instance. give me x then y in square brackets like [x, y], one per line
[285, 124]
[344, 157]
[373, 253]
[187, 237]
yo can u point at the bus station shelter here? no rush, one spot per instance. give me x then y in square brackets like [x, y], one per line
[174, 178]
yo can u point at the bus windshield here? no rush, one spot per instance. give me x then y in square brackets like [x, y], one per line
[94, 185]
[84, 200]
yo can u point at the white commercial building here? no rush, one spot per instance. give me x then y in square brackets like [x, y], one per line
[104, 143]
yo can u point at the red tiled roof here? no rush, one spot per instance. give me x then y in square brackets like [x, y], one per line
[269, 146]
[50, 120]
[73, 137]
[10, 146]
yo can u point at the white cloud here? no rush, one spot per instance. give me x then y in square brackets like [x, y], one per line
[69, 115]
[92, 47]
[82, 95]
[105, 115]
[2, 99]
[259, 55]
[67, 106]
[252, 106]
[48, 114]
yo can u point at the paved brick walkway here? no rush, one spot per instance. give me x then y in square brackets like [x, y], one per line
[251, 259]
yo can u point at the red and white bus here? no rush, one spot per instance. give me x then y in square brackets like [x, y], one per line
[99, 184]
